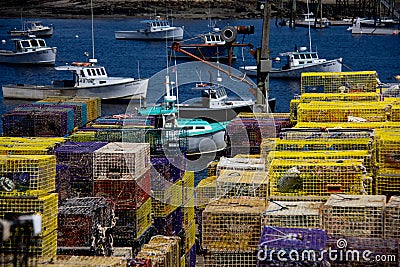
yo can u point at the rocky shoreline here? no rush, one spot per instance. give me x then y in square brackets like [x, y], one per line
[181, 9]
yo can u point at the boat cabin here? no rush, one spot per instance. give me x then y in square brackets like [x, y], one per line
[27, 45]
[300, 57]
[34, 25]
[156, 24]
[84, 74]
[212, 39]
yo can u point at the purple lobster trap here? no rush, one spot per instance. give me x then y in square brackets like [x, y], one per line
[279, 246]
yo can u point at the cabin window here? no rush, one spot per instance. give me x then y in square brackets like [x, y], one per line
[89, 73]
[308, 55]
[303, 56]
[314, 55]
[98, 72]
[200, 127]
[93, 72]
[296, 56]
[103, 71]
[82, 73]
[25, 44]
[187, 128]
[34, 43]
[212, 38]
[42, 43]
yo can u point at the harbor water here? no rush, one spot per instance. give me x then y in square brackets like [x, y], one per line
[144, 59]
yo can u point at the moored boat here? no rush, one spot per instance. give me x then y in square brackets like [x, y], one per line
[297, 62]
[361, 26]
[213, 104]
[29, 51]
[35, 28]
[203, 137]
[156, 29]
[88, 80]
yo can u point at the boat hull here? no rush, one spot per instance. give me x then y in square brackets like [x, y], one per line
[43, 56]
[206, 143]
[334, 65]
[43, 33]
[374, 31]
[207, 52]
[173, 33]
[136, 89]
[215, 114]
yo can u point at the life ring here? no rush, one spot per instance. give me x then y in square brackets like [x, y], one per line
[83, 64]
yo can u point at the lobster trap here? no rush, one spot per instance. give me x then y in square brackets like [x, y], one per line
[46, 206]
[78, 157]
[93, 104]
[42, 123]
[232, 224]
[387, 181]
[188, 238]
[129, 194]
[79, 219]
[170, 224]
[343, 112]
[121, 161]
[27, 175]
[162, 251]
[392, 218]
[318, 177]
[230, 259]
[295, 214]
[309, 245]
[339, 82]
[131, 223]
[364, 155]
[315, 144]
[232, 183]
[170, 169]
[240, 164]
[206, 191]
[354, 215]
[167, 199]
[188, 211]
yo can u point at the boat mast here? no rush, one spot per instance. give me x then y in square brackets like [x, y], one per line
[309, 26]
[91, 8]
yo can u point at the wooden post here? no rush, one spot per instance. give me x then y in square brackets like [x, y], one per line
[263, 59]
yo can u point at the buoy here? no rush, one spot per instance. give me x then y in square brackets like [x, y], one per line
[397, 77]
[76, 36]
[3, 41]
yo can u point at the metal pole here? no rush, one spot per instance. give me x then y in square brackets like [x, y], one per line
[263, 61]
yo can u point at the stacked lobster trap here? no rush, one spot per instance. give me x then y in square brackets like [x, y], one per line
[161, 251]
[85, 226]
[121, 172]
[354, 215]
[387, 147]
[291, 245]
[29, 204]
[246, 131]
[230, 231]
[75, 169]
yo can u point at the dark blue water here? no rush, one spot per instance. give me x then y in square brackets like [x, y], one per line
[125, 58]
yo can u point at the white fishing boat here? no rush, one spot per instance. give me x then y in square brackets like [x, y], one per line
[213, 104]
[156, 29]
[203, 137]
[298, 61]
[361, 26]
[35, 28]
[88, 80]
[29, 51]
